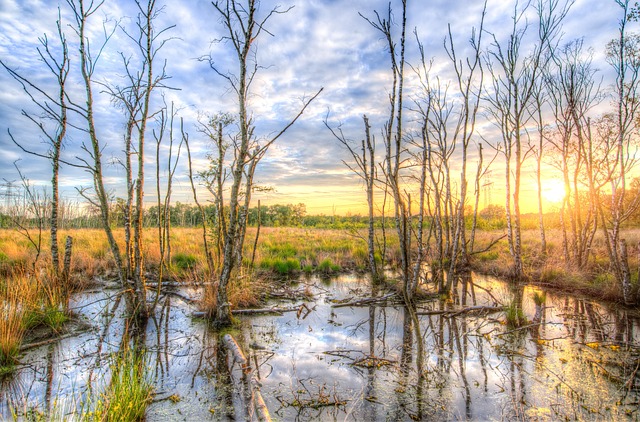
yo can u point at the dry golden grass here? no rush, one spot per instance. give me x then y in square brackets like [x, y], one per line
[288, 251]
[593, 279]
[18, 299]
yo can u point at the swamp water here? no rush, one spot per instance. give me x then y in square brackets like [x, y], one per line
[572, 358]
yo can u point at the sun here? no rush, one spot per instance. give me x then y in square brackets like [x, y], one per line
[553, 192]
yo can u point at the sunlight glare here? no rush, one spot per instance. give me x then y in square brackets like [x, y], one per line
[553, 192]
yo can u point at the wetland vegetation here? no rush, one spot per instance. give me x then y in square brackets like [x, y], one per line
[428, 307]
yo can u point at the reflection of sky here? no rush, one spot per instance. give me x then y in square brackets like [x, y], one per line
[477, 374]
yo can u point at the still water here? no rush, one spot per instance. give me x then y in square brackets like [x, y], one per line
[461, 358]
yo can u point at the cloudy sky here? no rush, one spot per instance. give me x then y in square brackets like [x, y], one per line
[318, 43]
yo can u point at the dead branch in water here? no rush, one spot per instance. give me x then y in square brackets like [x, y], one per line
[262, 410]
[456, 312]
[364, 302]
[274, 311]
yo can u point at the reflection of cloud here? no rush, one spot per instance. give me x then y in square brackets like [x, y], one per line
[317, 44]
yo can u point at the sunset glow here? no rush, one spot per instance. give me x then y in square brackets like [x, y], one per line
[553, 192]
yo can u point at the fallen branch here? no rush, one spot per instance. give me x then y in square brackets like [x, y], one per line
[261, 408]
[363, 302]
[273, 311]
[470, 309]
[56, 339]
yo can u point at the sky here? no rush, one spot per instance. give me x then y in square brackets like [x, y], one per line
[317, 44]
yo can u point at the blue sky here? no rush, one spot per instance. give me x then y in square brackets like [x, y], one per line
[318, 43]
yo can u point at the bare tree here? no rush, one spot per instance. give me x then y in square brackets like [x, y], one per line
[448, 125]
[623, 54]
[573, 92]
[135, 99]
[53, 108]
[243, 27]
[365, 168]
[163, 218]
[203, 216]
[89, 58]
[394, 142]
[514, 78]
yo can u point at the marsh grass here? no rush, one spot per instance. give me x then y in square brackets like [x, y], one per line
[18, 299]
[27, 302]
[128, 393]
[285, 252]
[594, 279]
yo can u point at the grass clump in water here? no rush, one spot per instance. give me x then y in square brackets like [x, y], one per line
[18, 297]
[129, 392]
[515, 316]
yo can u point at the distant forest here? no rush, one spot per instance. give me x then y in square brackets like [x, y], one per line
[277, 215]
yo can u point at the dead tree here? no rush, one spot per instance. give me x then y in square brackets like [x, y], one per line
[515, 76]
[623, 54]
[242, 27]
[203, 216]
[53, 108]
[81, 14]
[163, 219]
[394, 142]
[573, 92]
[365, 168]
[448, 126]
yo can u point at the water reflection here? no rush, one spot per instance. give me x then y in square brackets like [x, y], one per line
[459, 358]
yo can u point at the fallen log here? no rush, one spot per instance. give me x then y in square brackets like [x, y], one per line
[467, 310]
[273, 311]
[262, 411]
[363, 302]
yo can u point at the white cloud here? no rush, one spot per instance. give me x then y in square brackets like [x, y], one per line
[316, 44]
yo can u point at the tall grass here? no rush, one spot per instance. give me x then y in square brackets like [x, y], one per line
[128, 393]
[18, 299]
[27, 302]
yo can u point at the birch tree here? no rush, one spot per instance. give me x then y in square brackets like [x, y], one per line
[623, 54]
[514, 77]
[51, 119]
[242, 25]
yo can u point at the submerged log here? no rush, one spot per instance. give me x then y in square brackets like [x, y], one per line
[262, 411]
[274, 311]
[364, 302]
[463, 311]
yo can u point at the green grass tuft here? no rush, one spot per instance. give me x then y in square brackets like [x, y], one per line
[129, 392]
[183, 261]
[328, 267]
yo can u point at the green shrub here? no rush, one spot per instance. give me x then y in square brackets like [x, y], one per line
[488, 256]
[286, 267]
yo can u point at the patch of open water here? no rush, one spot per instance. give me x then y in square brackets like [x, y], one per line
[573, 359]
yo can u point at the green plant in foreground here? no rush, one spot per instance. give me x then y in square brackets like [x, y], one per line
[515, 316]
[539, 298]
[129, 392]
